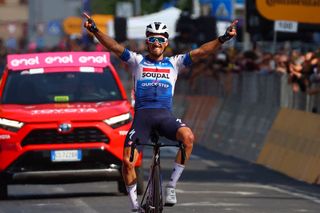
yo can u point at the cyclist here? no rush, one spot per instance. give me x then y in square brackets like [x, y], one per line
[154, 80]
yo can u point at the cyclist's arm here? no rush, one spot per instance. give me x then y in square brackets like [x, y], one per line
[204, 50]
[104, 39]
[109, 43]
[208, 48]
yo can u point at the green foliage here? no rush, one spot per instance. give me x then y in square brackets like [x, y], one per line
[103, 6]
[151, 6]
[185, 5]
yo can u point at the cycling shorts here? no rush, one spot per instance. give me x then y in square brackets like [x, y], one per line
[148, 120]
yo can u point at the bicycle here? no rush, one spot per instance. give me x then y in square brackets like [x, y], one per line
[152, 201]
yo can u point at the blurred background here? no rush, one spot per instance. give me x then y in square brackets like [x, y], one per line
[256, 98]
[26, 25]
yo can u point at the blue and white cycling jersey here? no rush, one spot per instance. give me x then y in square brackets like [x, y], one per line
[154, 81]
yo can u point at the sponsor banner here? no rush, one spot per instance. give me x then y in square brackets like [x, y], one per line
[73, 25]
[59, 59]
[299, 11]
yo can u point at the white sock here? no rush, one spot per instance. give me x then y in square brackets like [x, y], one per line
[176, 173]
[132, 192]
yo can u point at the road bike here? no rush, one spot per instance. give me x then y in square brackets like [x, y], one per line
[152, 200]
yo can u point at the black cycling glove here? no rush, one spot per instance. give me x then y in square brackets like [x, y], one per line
[226, 36]
[93, 28]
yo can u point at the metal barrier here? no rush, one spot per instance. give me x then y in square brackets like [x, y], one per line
[232, 114]
[240, 109]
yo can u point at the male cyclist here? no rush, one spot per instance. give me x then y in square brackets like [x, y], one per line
[154, 79]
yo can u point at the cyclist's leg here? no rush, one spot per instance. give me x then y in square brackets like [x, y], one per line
[141, 130]
[130, 177]
[174, 129]
[186, 136]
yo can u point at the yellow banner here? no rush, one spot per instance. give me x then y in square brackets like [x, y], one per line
[292, 145]
[291, 10]
[74, 25]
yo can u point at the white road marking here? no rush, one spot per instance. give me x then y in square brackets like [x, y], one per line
[210, 163]
[85, 208]
[217, 192]
[213, 204]
[274, 188]
[294, 194]
[227, 170]
[46, 204]
[301, 210]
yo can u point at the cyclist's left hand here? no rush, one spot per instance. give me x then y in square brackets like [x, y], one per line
[231, 31]
[90, 24]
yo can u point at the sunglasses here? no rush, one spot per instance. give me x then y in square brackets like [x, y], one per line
[153, 39]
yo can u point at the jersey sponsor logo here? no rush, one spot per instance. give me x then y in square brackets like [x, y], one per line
[155, 75]
[131, 133]
[148, 72]
[180, 122]
[155, 84]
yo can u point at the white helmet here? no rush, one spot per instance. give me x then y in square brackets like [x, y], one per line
[157, 28]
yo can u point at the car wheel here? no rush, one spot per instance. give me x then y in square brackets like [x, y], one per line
[3, 190]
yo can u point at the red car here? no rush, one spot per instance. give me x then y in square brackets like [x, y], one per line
[64, 118]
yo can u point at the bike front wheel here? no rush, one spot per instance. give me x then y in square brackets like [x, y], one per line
[155, 204]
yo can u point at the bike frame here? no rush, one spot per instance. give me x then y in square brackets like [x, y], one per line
[152, 201]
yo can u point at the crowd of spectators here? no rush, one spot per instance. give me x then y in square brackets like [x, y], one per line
[301, 67]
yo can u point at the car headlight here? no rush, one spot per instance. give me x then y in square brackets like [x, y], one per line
[119, 120]
[10, 125]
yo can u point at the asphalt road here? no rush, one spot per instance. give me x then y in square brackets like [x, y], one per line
[211, 183]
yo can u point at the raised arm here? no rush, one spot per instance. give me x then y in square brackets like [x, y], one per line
[206, 49]
[104, 39]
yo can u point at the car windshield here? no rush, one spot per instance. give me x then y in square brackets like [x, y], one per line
[60, 87]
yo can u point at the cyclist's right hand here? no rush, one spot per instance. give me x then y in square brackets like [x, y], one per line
[90, 24]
